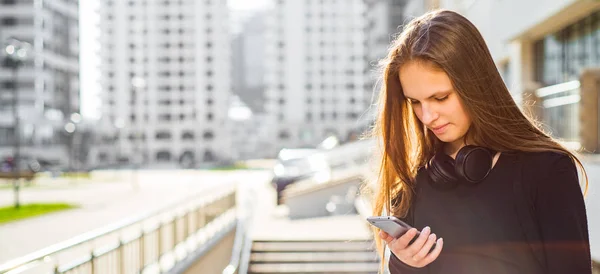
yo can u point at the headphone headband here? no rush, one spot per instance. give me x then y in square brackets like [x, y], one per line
[471, 166]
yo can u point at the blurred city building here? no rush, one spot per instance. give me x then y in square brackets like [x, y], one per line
[166, 83]
[249, 131]
[45, 82]
[316, 76]
[248, 59]
[385, 19]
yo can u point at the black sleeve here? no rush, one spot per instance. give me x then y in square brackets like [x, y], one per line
[561, 214]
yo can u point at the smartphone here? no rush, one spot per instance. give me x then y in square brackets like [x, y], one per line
[390, 224]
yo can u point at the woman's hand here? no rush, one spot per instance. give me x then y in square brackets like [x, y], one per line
[416, 254]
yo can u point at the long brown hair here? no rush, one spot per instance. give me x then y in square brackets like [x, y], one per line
[447, 41]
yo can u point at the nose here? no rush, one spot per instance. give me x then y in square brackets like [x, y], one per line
[429, 114]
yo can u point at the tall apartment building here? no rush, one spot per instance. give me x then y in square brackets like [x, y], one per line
[316, 79]
[165, 81]
[249, 62]
[47, 84]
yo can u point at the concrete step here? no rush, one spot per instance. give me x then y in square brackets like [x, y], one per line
[314, 257]
[313, 268]
[312, 246]
[299, 257]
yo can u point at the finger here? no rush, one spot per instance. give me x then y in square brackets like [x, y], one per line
[418, 244]
[435, 253]
[426, 248]
[383, 234]
[403, 241]
[386, 237]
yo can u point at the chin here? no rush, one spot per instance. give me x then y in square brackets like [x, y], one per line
[447, 138]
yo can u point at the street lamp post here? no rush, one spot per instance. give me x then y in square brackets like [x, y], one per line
[119, 124]
[71, 129]
[138, 84]
[16, 52]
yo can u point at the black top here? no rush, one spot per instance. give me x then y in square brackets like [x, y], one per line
[481, 227]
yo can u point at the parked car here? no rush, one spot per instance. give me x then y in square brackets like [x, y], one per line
[294, 165]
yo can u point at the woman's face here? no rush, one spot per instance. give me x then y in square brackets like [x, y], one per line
[434, 101]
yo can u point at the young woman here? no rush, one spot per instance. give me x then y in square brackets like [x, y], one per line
[488, 191]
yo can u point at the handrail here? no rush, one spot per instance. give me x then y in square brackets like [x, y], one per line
[243, 242]
[240, 236]
[44, 253]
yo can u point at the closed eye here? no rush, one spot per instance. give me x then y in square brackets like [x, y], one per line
[441, 98]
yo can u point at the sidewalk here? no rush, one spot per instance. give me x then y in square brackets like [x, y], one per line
[272, 223]
[102, 204]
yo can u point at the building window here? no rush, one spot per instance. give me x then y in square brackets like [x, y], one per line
[561, 56]
[187, 135]
[9, 21]
[163, 156]
[163, 135]
[208, 135]
[209, 156]
[284, 135]
[164, 117]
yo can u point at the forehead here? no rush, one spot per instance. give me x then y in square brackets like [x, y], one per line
[421, 81]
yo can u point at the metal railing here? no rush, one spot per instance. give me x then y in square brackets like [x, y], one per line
[242, 246]
[150, 243]
[560, 112]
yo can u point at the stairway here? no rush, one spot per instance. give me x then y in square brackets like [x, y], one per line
[313, 257]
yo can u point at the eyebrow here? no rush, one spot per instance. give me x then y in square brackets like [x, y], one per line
[433, 95]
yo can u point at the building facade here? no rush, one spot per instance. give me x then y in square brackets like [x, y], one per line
[166, 82]
[316, 78]
[249, 62]
[46, 84]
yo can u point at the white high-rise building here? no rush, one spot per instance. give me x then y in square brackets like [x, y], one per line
[165, 81]
[316, 74]
[47, 83]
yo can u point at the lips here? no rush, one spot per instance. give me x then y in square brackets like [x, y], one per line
[440, 129]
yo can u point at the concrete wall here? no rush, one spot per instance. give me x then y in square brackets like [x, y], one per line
[215, 260]
[590, 86]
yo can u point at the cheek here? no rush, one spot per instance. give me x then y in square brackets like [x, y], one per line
[462, 116]
[418, 112]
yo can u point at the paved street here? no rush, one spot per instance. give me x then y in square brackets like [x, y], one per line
[104, 203]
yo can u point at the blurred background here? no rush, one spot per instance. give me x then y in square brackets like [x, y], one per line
[99, 96]
[107, 84]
